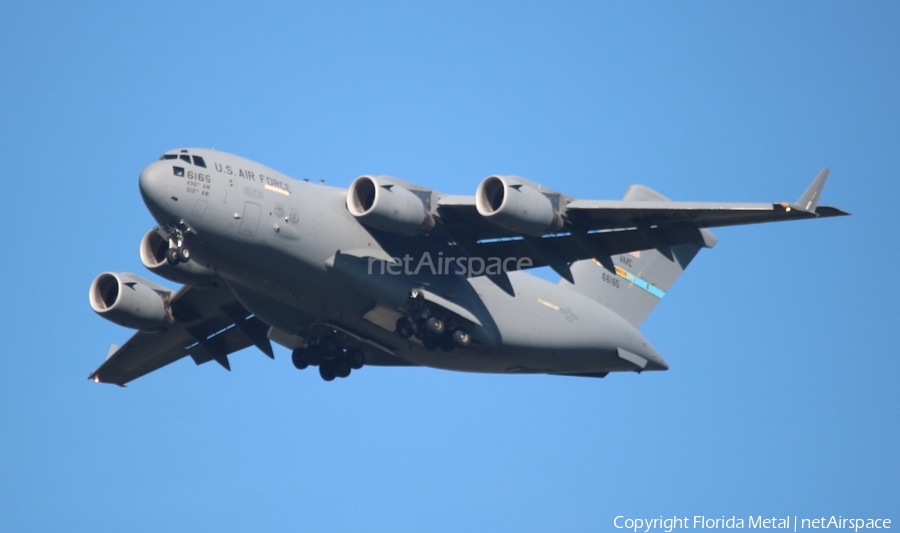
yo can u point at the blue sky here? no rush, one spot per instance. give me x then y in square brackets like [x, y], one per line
[782, 395]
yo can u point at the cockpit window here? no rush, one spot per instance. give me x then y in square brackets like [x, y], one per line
[184, 157]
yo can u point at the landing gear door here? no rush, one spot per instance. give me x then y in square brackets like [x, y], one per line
[250, 219]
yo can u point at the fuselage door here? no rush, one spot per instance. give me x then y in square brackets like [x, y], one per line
[250, 219]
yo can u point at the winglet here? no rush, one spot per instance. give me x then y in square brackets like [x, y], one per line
[810, 198]
[112, 351]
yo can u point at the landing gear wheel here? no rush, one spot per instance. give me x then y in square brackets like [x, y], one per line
[430, 342]
[461, 338]
[327, 345]
[298, 357]
[314, 355]
[172, 256]
[326, 372]
[419, 328]
[184, 255]
[447, 343]
[341, 367]
[356, 357]
[404, 327]
[435, 325]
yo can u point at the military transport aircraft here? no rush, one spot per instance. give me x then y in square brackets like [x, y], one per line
[388, 273]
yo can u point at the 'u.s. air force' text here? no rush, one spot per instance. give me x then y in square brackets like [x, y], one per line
[250, 175]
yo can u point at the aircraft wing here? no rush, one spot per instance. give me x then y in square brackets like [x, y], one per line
[209, 324]
[460, 216]
[461, 220]
[600, 228]
[603, 214]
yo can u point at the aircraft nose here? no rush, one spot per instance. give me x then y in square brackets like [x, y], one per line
[152, 181]
[154, 186]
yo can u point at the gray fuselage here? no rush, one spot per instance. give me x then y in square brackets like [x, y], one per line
[295, 257]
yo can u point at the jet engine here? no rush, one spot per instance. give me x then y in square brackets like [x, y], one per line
[153, 256]
[513, 203]
[131, 301]
[383, 203]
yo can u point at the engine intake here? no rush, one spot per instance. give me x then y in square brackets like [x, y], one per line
[153, 256]
[513, 203]
[383, 203]
[131, 301]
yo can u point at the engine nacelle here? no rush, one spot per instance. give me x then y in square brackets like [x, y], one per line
[153, 256]
[513, 203]
[381, 202]
[131, 301]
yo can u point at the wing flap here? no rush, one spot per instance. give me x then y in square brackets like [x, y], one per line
[570, 248]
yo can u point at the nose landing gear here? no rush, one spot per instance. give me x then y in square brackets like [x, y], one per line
[178, 255]
[333, 360]
[177, 252]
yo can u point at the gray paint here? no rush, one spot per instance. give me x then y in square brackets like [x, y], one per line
[272, 253]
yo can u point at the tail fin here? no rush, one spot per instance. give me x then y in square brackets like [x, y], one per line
[642, 278]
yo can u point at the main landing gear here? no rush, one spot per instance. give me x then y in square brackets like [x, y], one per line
[433, 331]
[333, 361]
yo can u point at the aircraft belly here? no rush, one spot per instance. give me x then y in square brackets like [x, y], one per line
[546, 329]
[292, 314]
[581, 337]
